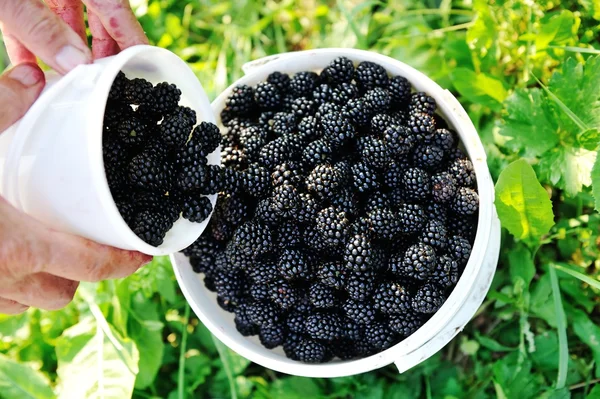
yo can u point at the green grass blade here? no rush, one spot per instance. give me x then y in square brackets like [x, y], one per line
[586, 279]
[575, 49]
[226, 365]
[563, 346]
[562, 106]
[181, 371]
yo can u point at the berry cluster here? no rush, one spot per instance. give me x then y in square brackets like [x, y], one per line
[347, 214]
[155, 159]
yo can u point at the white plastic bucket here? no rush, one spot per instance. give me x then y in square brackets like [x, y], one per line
[458, 309]
[51, 163]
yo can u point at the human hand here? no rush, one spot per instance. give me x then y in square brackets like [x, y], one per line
[56, 33]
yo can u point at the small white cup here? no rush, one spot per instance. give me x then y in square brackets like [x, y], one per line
[51, 164]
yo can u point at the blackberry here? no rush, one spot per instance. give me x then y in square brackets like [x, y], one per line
[295, 322]
[361, 312]
[444, 138]
[226, 304]
[207, 136]
[421, 125]
[309, 208]
[148, 114]
[464, 226]
[283, 294]
[166, 97]
[399, 89]
[392, 297]
[337, 129]
[292, 344]
[204, 247]
[263, 314]
[323, 180]
[235, 127]
[309, 129]
[462, 172]
[379, 336]
[358, 253]
[416, 184]
[332, 224]
[182, 157]
[309, 351]
[360, 285]
[259, 292]
[288, 235]
[286, 103]
[421, 102]
[256, 181]
[234, 158]
[375, 152]
[115, 153]
[126, 210]
[321, 296]
[196, 209]
[281, 81]
[316, 153]
[445, 273]
[175, 130]
[378, 100]
[262, 272]
[324, 326]
[346, 202]
[418, 261]
[398, 140]
[241, 100]
[435, 234]
[406, 323]
[459, 248]
[243, 323]
[118, 87]
[364, 178]
[332, 274]
[229, 284]
[303, 84]
[139, 91]
[376, 201]
[384, 223]
[293, 265]
[264, 212]
[392, 177]
[285, 200]
[465, 201]
[327, 108]
[133, 132]
[192, 177]
[428, 157]
[344, 349]
[253, 131]
[436, 211]
[344, 92]
[151, 226]
[253, 238]
[322, 94]
[267, 96]
[115, 113]
[276, 152]
[302, 107]
[289, 173]
[360, 226]
[149, 173]
[428, 299]
[272, 336]
[380, 122]
[213, 180]
[252, 147]
[186, 113]
[369, 75]
[221, 230]
[443, 187]
[358, 111]
[340, 70]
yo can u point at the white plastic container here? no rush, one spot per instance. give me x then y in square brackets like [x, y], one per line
[458, 309]
[51, 164]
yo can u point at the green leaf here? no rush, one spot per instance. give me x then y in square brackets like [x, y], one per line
[562, 393]
[147, 335]
[295, 388]
[492, 344]
[596, 182]
[589, 333]
[521, 265]
[586, 279]
[563, 348]
[557, 29]
[18, 381]
[568, 168]
[594, 393]
[592, 7]
[522, 203]
[95, 361]
[479, 88]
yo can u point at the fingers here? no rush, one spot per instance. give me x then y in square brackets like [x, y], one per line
[103, 45]
[8, 306]
[70, 11]
[118, 20]
[44, 34]
[17, 53]
[40, 290]
[19, 87]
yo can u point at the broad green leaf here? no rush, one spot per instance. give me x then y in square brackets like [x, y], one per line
[589, 333]
[18, 381]
[94, 361]
[514, 376]
[521, 265]
[522, 203]
[482, 34]
[562, 393]
[541, 300]
[529, 121]
[594, 393]
[147, 335]
[557, 29]
[295, 388]
[596, 182]
[479, 88]
[568, 168]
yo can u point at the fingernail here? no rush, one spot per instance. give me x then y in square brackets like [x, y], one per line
[27, 75]
[69, 57]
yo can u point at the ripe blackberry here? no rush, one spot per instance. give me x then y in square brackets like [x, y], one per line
[361, 312]
[379, 336]
[151, 226]
[344, 171]
[287, 173]
[428, 299]
[316, 153]
[309, 129]
[175, 130]
[149, 114]
[381, 122]
[259, 292]
[332, 274]
[192, 177]
[288, 235]
[360, 226]
[150, 173]
[241, 100]
[358, 253]
[277, 152]
[344, 349]
[126, 210]
[263, 314]
[378, 100]
[235, 127]
[421, 125]
[406, 323]
[375, 152]
[166, 97]
[369, 75]
[340, 70]
[236, 258]
[213, 180]
[281, 81]
[428, 157]
[139, 91]
[337, 129]
[283, 294]
[207, 136]
[283, 123]
[186, 113]
[185, 156]
[463, 173]
[262, 272]
[252, 146]
[272, 336]
[323, 180]
[114, 113]
[322, 94]
[435, 234]
[459, 248]
[221, 229]
[226, 304]
[376, 201]
[457, 153]
[242, 321]
[133, 132]
[286, 102]
[256, 181]
[392, 177]
[285, 200]
[464, 226]
[302, 107]
[437, 211]
[392, 297]
[418, 261]
[295, 322]
[445, 273]
[327, 108]
[118, 87]
[332, 224]
[303, 84]
[443, 187]
[416, 184]
[253, 238]
[196, 209]
[398, 140]
[384, 223]
[321, 296]
[310, 351]
[229, 284]
[346, 201]
[344, 92]
[443, 138]
[358, 111]
[324, 326]
[293, 264]
[264, 212]
[291, 345]
[364, 178]
[465, 201]
[308, 210]
[267, 96]
[421, 102]
[360, 285]
[399, 89]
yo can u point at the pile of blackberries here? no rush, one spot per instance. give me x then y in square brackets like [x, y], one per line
[346, 214]
[155, 159]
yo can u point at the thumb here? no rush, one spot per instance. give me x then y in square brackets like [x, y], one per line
[19, 88]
